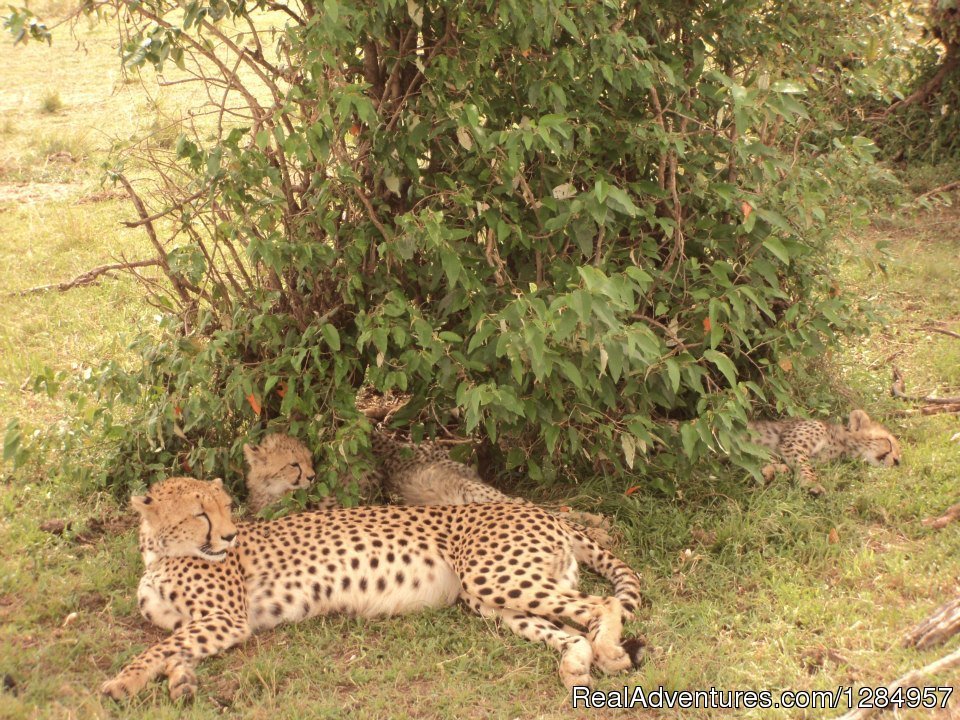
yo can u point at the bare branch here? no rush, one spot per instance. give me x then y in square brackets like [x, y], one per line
[87, 278]
[898, 390]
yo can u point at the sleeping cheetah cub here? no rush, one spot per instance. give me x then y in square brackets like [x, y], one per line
[213, 583]
[411, 474]
[801, 442]
[281, 464]
[278, 465]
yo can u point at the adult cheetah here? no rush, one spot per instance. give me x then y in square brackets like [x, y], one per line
[213, 582]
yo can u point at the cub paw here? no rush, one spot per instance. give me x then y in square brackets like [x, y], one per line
[117, 689]
[817, 490]
[636, 650]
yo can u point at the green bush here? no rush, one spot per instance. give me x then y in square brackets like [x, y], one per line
[549, 221]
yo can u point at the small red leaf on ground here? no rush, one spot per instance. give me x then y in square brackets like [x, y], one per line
[254, 403]
[746, 208]
[707, 325]
[834, 537]
[631, 491]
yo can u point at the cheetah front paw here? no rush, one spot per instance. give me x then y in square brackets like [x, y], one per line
[120, 688]
[771, 470]
[182, 681]
[817, 490]
[575, 664]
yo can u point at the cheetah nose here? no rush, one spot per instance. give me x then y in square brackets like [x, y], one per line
[229, 538]
[311, 477]
[896, 461]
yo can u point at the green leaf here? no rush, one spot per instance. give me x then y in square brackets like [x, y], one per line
[776, 246]
[790, 87]
[723, 364]
[331, 335]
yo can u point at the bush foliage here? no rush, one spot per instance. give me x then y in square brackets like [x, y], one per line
[551, 222]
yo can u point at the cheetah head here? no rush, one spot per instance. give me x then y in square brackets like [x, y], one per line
[278, 465]
[183, 517]
[875, 444]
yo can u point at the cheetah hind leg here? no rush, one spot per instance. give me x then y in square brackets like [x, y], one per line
[576, 653]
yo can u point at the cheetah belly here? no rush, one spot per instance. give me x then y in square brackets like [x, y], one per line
[375, 587]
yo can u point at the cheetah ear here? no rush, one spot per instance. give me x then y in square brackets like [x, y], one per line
[217, 482]
[858, 420]
[251, 453]
[143, 504]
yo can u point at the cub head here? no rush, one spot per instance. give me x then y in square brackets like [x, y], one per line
[278, 465]
[873, 442]
[183, 517]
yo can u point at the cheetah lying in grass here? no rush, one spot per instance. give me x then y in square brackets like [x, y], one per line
[213, 583]
[800, 443]
[410, 474]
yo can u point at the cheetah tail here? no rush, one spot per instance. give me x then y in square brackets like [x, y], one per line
[626, 582]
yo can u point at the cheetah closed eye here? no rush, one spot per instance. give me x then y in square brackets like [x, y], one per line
[213, 582]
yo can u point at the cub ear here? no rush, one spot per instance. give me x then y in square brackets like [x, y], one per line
[143, 504]
[251, 453]
[217, 482]
[858, 420]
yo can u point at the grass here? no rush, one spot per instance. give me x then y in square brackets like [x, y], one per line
[748, 586]
[51, 103]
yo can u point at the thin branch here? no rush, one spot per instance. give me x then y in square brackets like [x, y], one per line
[952, 513]
[911, 679]
[898, 390]
[154, 240]
[87, 278]
[955, 185]
[158, 215]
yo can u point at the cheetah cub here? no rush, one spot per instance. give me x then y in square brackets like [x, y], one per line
[213, 582]
[802, 442]
[281, 464]
[410, 474]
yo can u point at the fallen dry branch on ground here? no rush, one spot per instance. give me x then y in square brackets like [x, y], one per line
[898, 390]
[942, 624]
[952, 513]
[87, 278]
[942, 189]
[912, 679]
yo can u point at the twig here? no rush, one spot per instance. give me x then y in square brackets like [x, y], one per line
[154, 240]
[911, 679]
[943, 331]
[943, 188]
[86, 278]
[952, 513]
[950, 62]
[941, 624]
[167, 211]
[897, 390]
